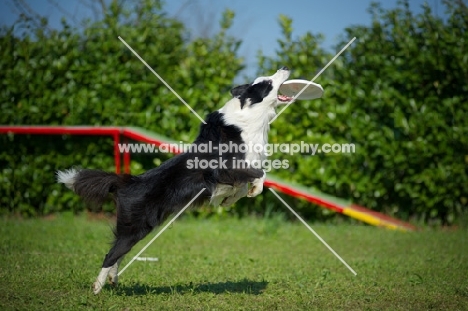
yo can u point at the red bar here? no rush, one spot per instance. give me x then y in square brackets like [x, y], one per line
[70, 130]
[59, 130]
[138, 137]
[126, 157]
[298, 194]
[117, 152]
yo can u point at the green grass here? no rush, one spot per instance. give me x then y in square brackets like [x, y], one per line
[50, 264]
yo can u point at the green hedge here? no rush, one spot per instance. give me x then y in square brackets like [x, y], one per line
[398, 93]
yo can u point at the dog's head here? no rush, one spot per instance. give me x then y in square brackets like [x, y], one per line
[263, 91]
[257, 100]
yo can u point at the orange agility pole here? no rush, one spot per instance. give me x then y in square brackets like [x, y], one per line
[323, 200]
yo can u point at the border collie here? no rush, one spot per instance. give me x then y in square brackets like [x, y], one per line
[144, 202]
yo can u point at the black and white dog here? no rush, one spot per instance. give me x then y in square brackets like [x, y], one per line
[144, 202]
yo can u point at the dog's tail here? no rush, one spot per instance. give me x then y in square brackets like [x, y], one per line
[93, 186]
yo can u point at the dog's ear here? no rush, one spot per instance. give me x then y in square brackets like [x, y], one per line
[239, 90]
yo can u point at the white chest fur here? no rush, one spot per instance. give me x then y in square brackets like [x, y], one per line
[254, 127]
[254, 124]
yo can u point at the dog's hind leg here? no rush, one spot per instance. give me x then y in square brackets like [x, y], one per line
[113, 272]
[121, 247]
[100, 280]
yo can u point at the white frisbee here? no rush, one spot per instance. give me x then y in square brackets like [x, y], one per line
[292, 87]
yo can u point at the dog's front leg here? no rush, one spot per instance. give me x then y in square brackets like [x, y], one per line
[257, 186]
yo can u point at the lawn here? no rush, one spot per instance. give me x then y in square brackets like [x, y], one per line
[249, 264]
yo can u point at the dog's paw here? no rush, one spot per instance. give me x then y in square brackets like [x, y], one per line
[101, 279]
[113, 280]
[113, 275]
[229, 201]
[226, 202]
[97, 286]
[255, 190]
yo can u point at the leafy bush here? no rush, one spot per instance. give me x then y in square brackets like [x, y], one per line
[397, 94]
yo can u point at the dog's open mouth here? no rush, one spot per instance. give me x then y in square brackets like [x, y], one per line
[284, 98]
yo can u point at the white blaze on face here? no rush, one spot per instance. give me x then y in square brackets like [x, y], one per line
[276, 80]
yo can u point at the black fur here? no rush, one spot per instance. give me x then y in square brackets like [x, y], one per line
[253, 92]
[94, 186]
[238, 90]
[145, 201]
